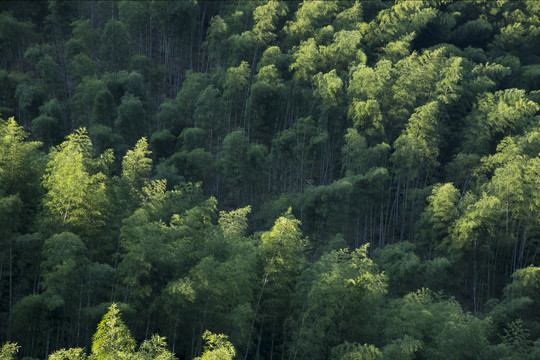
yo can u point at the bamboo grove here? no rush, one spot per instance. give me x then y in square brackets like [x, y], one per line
[270, 180]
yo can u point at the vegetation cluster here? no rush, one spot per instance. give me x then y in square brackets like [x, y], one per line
[270, 179]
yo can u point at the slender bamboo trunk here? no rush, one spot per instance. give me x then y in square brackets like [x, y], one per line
[522, 249]
[1, 273]
[10, 283]
[272, 339]
[255, 314]
[260, 338]
[404, 208]
[79, 315]
[475, 279]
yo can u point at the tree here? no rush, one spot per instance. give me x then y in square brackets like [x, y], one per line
[357, 158]
[77, 195]
[266, 96]
[337, 291]
[472, 234]
[310, 17]
[103, 138]
[234, 91]
[217, 347]
[329, 88]
[70, 354]
[115, 45]
[20, 162]
[49, 126]
[369, 90]
[162, 143]
[402, 266]
[441, 213]
[51, 76]
[209, 115]
[241, 164]
[307, 59]
[155, 349]
[132, 119]
[343, 53]
[64, 267]
[265, 17]
[516, 339]
[84, 99]
[428, 325]
[417, 147]
[85, 39]
[15, 37]
[112, 339]
[136, 166]
[402, 349]
[234, 223]
[104, 110]
[194, 166]
[11, 211]
[519, 301]
[9, 351]
[354, 351]
[186, 100]
[495, 115]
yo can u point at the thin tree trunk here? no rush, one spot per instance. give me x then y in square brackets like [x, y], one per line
[10, 282]
[475, 279]
[260, 337]
[522, 248]
[272, 339]
[255, 314]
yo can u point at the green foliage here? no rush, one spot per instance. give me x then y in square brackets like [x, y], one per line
[112, 339]
[498, 113]
[84, 99]
[239, 158]
[49, 126]
[410, 125]
[402, 349]
[81, 66]
[104, 110]
[9, 351]
[417, 147]
[114, 50]
[234, 223]
[347, 351]
[162, 143]
[401, 265]
[64, 263]
[329, 88]
[103, 138]
[217, 347]
[357, 157]
[155, 349]
[526, 283]
[424, 322]
[516, 337]
[282, 248]
[131, 120]
[70, 354]
[439, 216]
[265, 18]
[337, 292]
[310, 17]
[76, 197]
[307, 58]
[20, 161]
[136, 165]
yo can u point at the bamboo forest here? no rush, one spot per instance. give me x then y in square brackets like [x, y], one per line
[270, 180]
